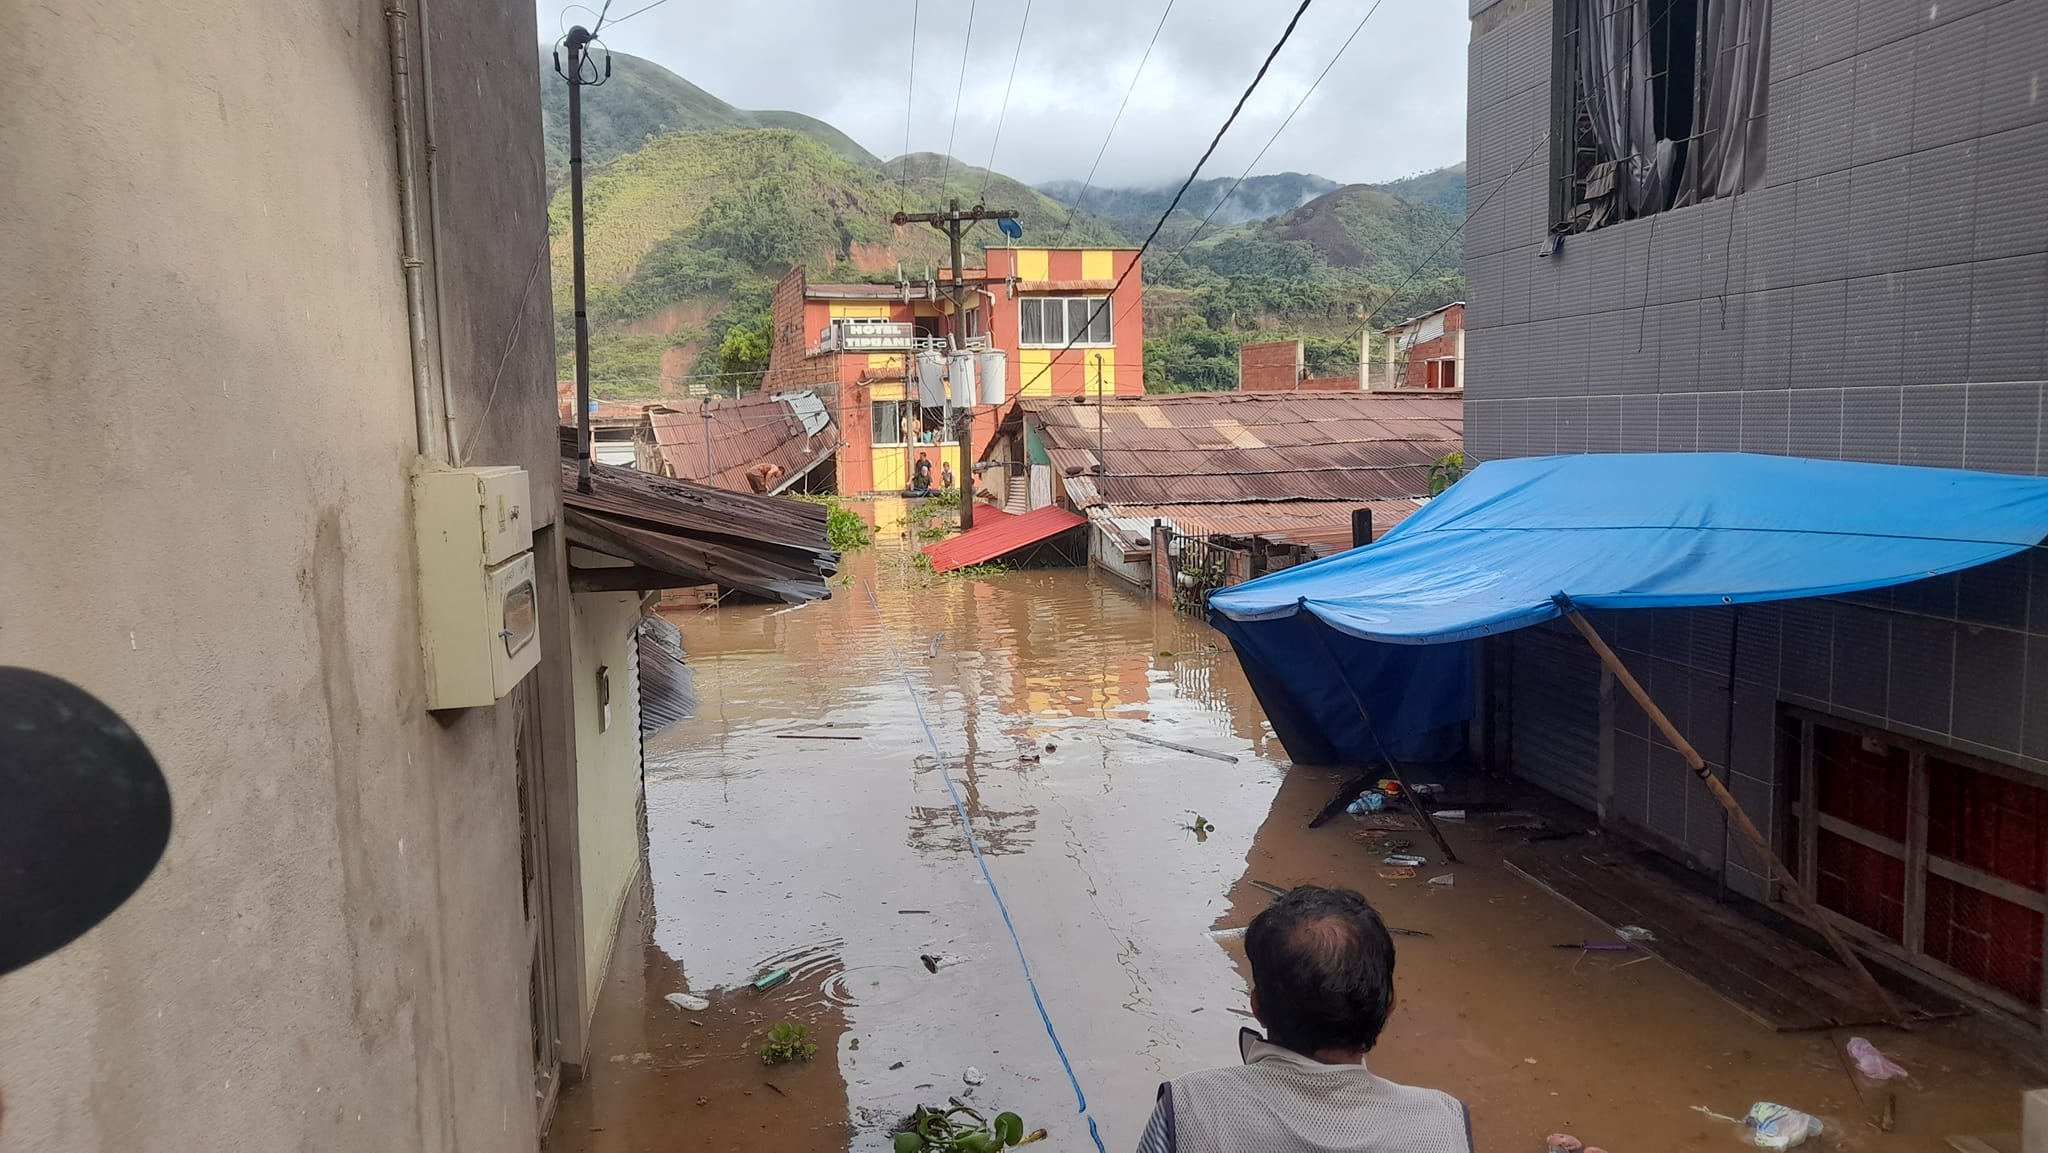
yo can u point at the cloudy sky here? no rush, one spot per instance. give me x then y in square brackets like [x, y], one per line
[1394, 105]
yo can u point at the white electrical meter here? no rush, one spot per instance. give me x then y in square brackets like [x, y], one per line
[479, 610]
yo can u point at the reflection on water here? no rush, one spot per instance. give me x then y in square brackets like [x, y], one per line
[842, 861]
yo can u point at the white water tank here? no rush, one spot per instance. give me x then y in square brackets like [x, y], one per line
[960, 371]
[995, 365]
[931, 378]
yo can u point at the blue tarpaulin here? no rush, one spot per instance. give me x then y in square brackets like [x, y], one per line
[1501, 548]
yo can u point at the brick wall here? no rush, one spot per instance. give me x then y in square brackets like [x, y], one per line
[789, 362]
[1272, 367]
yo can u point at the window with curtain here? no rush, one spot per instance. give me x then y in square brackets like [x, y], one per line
[1656, 104]
[886, 416]
[1052, 321]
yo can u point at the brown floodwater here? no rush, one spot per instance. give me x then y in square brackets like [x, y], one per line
[801, 822]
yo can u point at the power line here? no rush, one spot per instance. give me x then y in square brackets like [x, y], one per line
[1075, 207]
[909, 106]
[602, 13]
[959, 86]
[1218, 206]
[1184, 185]
[634, 12]
[988, 171]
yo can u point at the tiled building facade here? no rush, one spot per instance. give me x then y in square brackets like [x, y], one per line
[1880, 293]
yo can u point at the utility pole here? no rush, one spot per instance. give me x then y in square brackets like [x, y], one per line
[577, 40]
[953, 222]
[1098, 408]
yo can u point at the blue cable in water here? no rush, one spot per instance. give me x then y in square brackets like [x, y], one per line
[974, 845]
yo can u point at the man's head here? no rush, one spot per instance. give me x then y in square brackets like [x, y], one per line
[1322, 970]
[920, 456]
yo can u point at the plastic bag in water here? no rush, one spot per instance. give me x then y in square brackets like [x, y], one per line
[1773, 1126]
[1874, 1064]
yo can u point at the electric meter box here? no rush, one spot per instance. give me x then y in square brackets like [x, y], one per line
[479, 612]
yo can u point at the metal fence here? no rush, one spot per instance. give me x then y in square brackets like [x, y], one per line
[1198, 566]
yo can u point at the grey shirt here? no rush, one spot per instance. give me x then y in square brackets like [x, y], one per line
[1281, 1101]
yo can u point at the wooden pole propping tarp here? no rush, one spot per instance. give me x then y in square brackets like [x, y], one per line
[1814, 914]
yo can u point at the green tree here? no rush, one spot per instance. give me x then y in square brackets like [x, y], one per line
[1191, 357]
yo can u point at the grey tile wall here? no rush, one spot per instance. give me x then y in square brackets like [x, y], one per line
[1882, 296]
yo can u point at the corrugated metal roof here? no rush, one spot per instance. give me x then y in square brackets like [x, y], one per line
[999, 535]
[668, 691]
[759, 442]
[692, 534]
[1238, 447]
[1322, 525]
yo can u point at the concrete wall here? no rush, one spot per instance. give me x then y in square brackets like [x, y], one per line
[1882, 296]
[207, 524]
[607, 765]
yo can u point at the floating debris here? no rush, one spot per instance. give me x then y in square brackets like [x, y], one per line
[688, 1002]
[1214, 756]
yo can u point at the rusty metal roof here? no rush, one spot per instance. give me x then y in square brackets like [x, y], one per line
[1241, 448]
[1322, 525]
[760, 442]
[679, 533]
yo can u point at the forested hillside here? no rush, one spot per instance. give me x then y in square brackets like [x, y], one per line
[694, 208]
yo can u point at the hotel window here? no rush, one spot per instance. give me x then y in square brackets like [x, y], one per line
[1052, 321]
[887, 418]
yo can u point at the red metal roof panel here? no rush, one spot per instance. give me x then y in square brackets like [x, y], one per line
[999, 536]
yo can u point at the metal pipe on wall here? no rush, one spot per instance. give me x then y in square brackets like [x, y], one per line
[409, 233]
[434, 224]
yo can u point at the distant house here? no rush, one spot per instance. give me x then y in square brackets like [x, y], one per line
[1035, 322]
[1279, 472]
[761, 442]
[1426, 351]
[612, 424]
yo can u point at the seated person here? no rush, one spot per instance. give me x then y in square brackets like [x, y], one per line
[921, 475]
[1323, 985]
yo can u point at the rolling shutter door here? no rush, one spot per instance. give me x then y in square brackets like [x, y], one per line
[1555, 712]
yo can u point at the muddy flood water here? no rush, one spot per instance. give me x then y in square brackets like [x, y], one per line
[801, 822]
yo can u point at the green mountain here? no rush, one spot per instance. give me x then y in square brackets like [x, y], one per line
[1360, 227]
[1444, 187]
[1135, 209]
[1313, 273]
[1045, 220]
[694, 208]
[642, 100]
[685, 236]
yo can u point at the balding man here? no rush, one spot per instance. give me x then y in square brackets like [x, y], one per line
[1322, 985]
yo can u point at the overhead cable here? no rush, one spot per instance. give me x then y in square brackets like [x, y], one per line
[1075, 207]
[1196, 172]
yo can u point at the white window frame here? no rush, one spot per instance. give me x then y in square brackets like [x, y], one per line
[897, 434]
[1038, 303]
